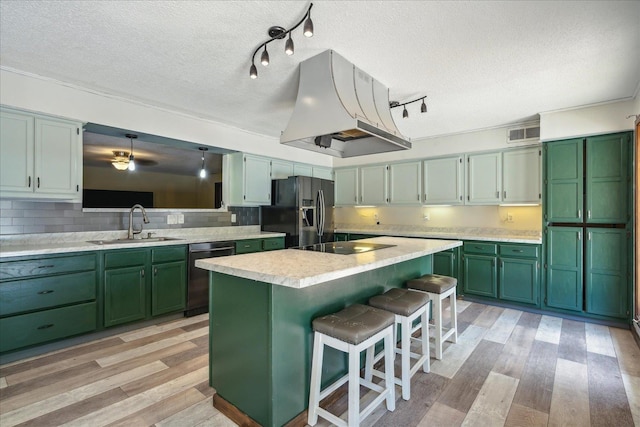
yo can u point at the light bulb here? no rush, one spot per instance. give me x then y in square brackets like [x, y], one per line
[405, 113]
[132, 163]
[308, 27]
[203, 173]
[288, 47]
[264, 59]
[253, 71]
[423, 107]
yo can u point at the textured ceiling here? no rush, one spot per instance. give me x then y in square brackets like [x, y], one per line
[481, 64]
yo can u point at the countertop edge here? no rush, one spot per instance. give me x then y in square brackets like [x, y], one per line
[453, 236]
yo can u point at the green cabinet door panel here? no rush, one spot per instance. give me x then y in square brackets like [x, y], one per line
[43, 292]
[444, 263]
[564, 181]
[519, 280]
[607, 197]
[564, 268]
[273, 243]
[47, 265]
[124, 295]
[168, 287]
[47, 325]
[480, 275]
[248, 246]
[606, 272]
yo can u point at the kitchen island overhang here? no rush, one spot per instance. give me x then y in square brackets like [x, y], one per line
[261, 307]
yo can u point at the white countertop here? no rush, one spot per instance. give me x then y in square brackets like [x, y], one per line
[460, 233]
[55, 243]
[299, 269]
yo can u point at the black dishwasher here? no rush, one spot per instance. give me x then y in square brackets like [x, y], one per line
[198, 287]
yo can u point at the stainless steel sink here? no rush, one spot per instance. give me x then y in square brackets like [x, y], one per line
[120, 241]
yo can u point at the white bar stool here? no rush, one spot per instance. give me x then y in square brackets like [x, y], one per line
[351, 330]
[439, 288]
[406, 306]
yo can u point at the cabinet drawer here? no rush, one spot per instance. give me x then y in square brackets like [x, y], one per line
[124, 258]
[28, 295]
[247, 246]
[46, 266]
[271, 244]
[42, 326]
[480, 248]
[520, 251]
[169, 253]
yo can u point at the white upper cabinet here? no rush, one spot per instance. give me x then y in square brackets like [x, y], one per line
[40, 157]
[373, 185]
[281, 169]
[249, 180]
[484, 179]
[346, 187]
[443, 181]
[522, 176]
[300, 169]
[322, 173]
[405, 183]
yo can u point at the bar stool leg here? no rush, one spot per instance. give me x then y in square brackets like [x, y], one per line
[405, 355]
[426, 366]
[389, 377]
[454, 317]
[353, 418]
[437, 320]
[316, 371]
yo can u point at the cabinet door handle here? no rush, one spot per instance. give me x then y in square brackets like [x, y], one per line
[155, 271]
[477, 247]
[48, 291]
[47, 326]
[579, 235]
[579, 213]
[247, 246]
[518, 251]
[29, 181]
[497, 194]
[589, 236]
[504, 194]
[142, 273]
[38, 182]
[502, 264]
[589, 213]
[46, 266]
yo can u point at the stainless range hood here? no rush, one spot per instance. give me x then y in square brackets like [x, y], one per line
[341, 111]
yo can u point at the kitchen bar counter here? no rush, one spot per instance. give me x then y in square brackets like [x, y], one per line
[57, 243]
[261, 308]
[456, 233]
[298, 269]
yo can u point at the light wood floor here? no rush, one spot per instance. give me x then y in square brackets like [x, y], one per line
[508, 368]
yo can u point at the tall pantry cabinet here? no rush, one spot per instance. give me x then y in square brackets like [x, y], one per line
[587, 225]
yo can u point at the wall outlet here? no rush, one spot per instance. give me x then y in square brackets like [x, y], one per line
[180, 218]
[171, 219]
[509, 217]
[233, 218]
[426, 217]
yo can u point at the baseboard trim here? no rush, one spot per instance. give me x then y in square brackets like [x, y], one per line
[233, 413]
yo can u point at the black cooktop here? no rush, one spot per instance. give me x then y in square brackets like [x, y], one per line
[343, 248]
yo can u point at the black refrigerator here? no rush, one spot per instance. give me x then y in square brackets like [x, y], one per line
[301, 207]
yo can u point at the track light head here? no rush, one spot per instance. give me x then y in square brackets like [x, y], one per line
[423, 107]
[308, 26]
[405, 113]
[264, 59]
[288, 47]
[253, 71]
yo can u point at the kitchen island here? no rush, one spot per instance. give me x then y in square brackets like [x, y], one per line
[261, 308]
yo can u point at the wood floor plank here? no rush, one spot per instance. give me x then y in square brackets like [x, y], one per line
[67, 384]
[549, 329]
[599, 339]
[472, 313]
[523, 416]
[78, 409]
[193, 415]
[151, 347]
[3, 383]
[573, 344]
[455, 355]
[166, 375]
[627, 351]
[62, 400]
[218, 420]
[461, 305]
[570, 398]
[178, 358]
[163, 327]
[503, 326]
[530, 320]
[488, 317]
[492, 404]
[197, 325]
[536, 382]
[515, 354]
[608, 402]
[205, 388]
[464, 387]
[441, 415]
[632, 387]
[140, 401]
[161, 409]
[202, 341]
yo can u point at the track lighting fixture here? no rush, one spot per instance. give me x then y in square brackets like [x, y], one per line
[132, 163]
[203, 171]
[405, 113]
[277, 32]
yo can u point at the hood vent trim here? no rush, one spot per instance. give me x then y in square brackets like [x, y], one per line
[341, 111]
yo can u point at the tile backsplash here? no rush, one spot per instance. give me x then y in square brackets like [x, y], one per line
[26, 217]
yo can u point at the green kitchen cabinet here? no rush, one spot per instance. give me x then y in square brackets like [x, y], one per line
[607, 197]
[47, 297]
[169, 279]
[606, 279]
[257, 245]
[564, 181]
[341, 237]
[480, 269]
[519, 277]
[273, 243]
[564, 273]
[125, 289]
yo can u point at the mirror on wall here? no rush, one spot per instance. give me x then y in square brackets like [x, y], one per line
[167, 171]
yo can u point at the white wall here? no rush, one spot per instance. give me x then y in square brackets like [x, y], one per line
[590, 120]
[55, 98]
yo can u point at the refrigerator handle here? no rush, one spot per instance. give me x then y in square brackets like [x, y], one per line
[321, 213]
[318, 214]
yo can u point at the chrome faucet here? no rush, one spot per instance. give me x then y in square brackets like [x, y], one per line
[131, 231]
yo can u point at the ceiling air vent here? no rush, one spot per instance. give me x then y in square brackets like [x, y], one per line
[524, 134]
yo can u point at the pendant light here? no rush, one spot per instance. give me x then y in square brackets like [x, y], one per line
[405, 113]
[288, 47]
[132, 163]
[203, 171]
[121, 160]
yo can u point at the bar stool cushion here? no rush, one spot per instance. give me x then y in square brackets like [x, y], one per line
[433, 283]
[354, 324]
[400, 301]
